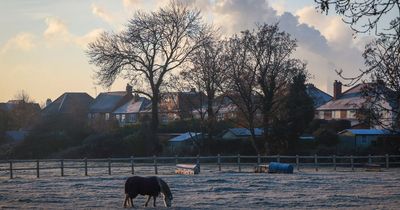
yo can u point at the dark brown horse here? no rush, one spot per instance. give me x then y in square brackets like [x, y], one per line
[151, 186]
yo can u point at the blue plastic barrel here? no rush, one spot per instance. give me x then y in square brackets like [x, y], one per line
[275, 167]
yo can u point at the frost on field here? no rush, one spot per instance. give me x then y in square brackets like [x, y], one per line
[210, 190]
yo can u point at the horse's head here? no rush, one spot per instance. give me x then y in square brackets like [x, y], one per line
[167, 193]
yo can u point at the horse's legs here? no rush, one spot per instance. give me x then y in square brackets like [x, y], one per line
[147, 202]
[126, 200]
[154, 203]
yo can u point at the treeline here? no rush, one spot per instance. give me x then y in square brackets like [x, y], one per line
[173, 49]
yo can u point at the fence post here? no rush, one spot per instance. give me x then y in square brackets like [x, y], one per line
[37, 168]
[109, 166]
[132, 166]
[369, 159]
[238, 162]
[11, 169]
[334, 162]
[155, 164]
[387, 160]
[258, 159]
[316, 162]
[85, 160]
[62, 167]
[278, 159]
[219, 162]
[352, 162]
[176, 159]
[297, 162]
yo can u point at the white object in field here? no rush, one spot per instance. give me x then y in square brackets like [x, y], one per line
[187, 169]
[261, 169]
[373, 167]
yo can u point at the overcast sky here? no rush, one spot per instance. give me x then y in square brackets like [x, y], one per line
[43, 42]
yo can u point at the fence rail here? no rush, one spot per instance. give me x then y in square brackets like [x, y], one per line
[11, 167]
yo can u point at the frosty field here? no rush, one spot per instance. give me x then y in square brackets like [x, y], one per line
[211, 189]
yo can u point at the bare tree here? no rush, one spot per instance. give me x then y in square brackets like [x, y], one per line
[367, 15]
[381, 55]
[25, 111]
[270, 50]
[207, 74]
[242, 84]
[383, 95]
[148, 50]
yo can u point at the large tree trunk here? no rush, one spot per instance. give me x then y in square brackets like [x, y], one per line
[253, 136]
[266, 120]
[154, 123]
[210, 117]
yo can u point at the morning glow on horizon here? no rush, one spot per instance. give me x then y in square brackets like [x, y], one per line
[43, 49]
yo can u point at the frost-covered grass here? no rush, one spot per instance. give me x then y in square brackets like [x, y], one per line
[209, 190]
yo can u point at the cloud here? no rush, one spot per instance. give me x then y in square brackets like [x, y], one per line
[325, 43]
[332, 27]
[236, 15]
[91, 36]
[56, 30]
[102, 13]
[23, 41]
[58, 34]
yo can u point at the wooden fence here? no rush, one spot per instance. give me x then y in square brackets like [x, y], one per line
[10, 167]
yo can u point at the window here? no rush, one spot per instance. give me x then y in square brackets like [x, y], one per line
[320, 114]
[107, 116]
[118, 117]
[351, 114]
[336, 114]
[327, 115]
[123, 118]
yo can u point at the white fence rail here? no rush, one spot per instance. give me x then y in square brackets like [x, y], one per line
[9, 168]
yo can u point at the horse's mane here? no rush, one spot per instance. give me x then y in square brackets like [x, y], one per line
[164, 187]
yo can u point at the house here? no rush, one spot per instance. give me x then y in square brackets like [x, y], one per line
[346, 105]
[184, 142]
[241, 133]
[319, 97]
[130, 112]
[69, 103]
[106, 103]
[180, 105]
[359, 139]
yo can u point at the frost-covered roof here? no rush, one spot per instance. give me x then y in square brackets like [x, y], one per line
[133, 106]
[366, 131]
[350, 99]
[109, 101]
[245, 131]
[69, 103]
[185, 136]
[319, 97]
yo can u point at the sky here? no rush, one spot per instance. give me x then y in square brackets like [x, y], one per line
[43, 42]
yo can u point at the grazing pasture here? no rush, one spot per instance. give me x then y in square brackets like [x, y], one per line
[212, 189]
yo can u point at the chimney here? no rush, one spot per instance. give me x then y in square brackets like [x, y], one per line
[128, 89]
[337, 89]
[48, 102]
[136, 97]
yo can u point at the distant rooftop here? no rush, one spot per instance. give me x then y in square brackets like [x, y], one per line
[245, 131]
[109, 101]
[69, 103]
